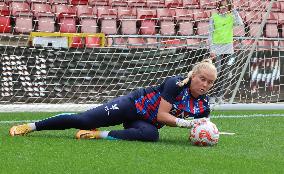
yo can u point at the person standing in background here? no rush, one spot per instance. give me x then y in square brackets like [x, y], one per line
[221, 25]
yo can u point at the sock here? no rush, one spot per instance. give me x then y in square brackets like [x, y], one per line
[104, 134]
[32, 126]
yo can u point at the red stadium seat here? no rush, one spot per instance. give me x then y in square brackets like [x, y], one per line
[38, 1]
[241, 4]
[152, 42]
[89, 25]
[5, 26]
[136, 43]
[239, 31]
[119, 3]
[66, 17]
[19, 7]
[45, 17]
[191, 3]
[173, 43]
[117, 42]
[23, 23]
[271, 27]
[202, 21]
[92, 42]
[87, 18]
[84, 10]
[281, 4]
[76, 42]
[4, 9]
[173, 3]
[264, 45]
[98, 2]
[108, 17]
[207, 4]
[147, 19]
[156, 3]
[78, 2]
[128, 19]
[184, 18]
[58, 1]
[193, 43]
[46, 24]
[257, 5]
[137, 3]
[166, 20]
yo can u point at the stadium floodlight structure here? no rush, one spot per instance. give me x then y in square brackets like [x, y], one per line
[73, 72]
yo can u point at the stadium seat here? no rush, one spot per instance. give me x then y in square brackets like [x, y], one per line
[264, 45]
[117, 42]
[87, 18]
[276, 6]
[108, 17]
[137, 3]
[173, 43]
[239, 31]
[151, 42]
[89, 25]
[184, 18]
[128, 19]
[4, 9]
[147, 20]
[58, 2]
[119, 3]
[23, 23]
[66, 17]
[78, 2]
[193, 43]
[257, 5]
[207, 4]
[253, 19]
[92, 42]
[19, 7]
[281, 5]
[173, 3]
[98, 2]
[241, 4]
[136, 43]
[201, 19]
[44, 17]
[271, 27]
[166, 20]
[5, 26]
[155, 3]
[191, 3]
[23, 17]
[76, 42]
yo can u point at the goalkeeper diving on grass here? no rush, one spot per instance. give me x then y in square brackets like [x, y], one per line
[142, 112]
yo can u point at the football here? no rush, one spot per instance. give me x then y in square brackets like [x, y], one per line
[206, 134]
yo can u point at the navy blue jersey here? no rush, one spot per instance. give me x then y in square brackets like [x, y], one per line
[184, 105]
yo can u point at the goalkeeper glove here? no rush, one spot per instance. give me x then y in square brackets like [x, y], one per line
[190, 123]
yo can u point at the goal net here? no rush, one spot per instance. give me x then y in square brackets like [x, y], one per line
[115, 48]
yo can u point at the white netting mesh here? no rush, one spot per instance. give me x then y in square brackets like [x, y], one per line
[146, 42]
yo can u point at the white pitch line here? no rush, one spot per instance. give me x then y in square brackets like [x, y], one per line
[247, 116]
[213, 116]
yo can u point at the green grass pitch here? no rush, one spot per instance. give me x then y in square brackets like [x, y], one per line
[257, 147]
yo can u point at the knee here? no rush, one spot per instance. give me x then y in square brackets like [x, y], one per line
[150, 134]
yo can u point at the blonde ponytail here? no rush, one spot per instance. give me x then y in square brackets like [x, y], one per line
[204, 64]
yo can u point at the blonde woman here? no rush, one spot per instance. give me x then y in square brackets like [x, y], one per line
[142, 112]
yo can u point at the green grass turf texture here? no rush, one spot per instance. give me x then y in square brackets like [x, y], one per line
[257, 147]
